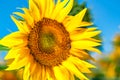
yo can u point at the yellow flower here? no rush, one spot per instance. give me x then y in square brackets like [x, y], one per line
[6, 75]
[50, 44]
[113, 70]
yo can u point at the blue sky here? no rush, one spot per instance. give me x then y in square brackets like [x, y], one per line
[106, 14]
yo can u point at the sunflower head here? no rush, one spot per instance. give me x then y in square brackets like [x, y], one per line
[49, 43]
[52, 42]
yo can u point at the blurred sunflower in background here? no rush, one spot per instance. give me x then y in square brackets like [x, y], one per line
[113, 71]
[108, 65]
[6, 75]
[50, 44]
[11, 75]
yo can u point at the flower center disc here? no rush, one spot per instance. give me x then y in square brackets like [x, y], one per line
[49, 42]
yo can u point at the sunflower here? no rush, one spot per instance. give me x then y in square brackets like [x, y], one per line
[49, 43]
[113, 70]
[7, 75]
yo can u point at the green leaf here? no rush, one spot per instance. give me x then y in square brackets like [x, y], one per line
[3, 48]
[3, 67]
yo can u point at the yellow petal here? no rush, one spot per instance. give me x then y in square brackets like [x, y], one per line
[43, 75]
[84, 35]
[59, 6]
[23, 29]
[17, 64]
[91, 29]
[79, 64]
[26, 26]
[59, 74]
[81, 54]
[14, 39]
[71, 67]
[84, 44]
[94, 50]
[42, 7]
[38, 69]
[82, 68]
[13, 53]
[82, 24]
[33, 67]
[51, 75]
[67, 19]
[26, 73]
[34, 76]
[49, 8]
[88, 65]
[64, 12]
[19, 14]
[28, 17]
[77, 55]
[95, 40]
[31, 78]
[20, 60]
[75, 21]
[65, 71]
[78, 31]
[72, 77]
[34, 10]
